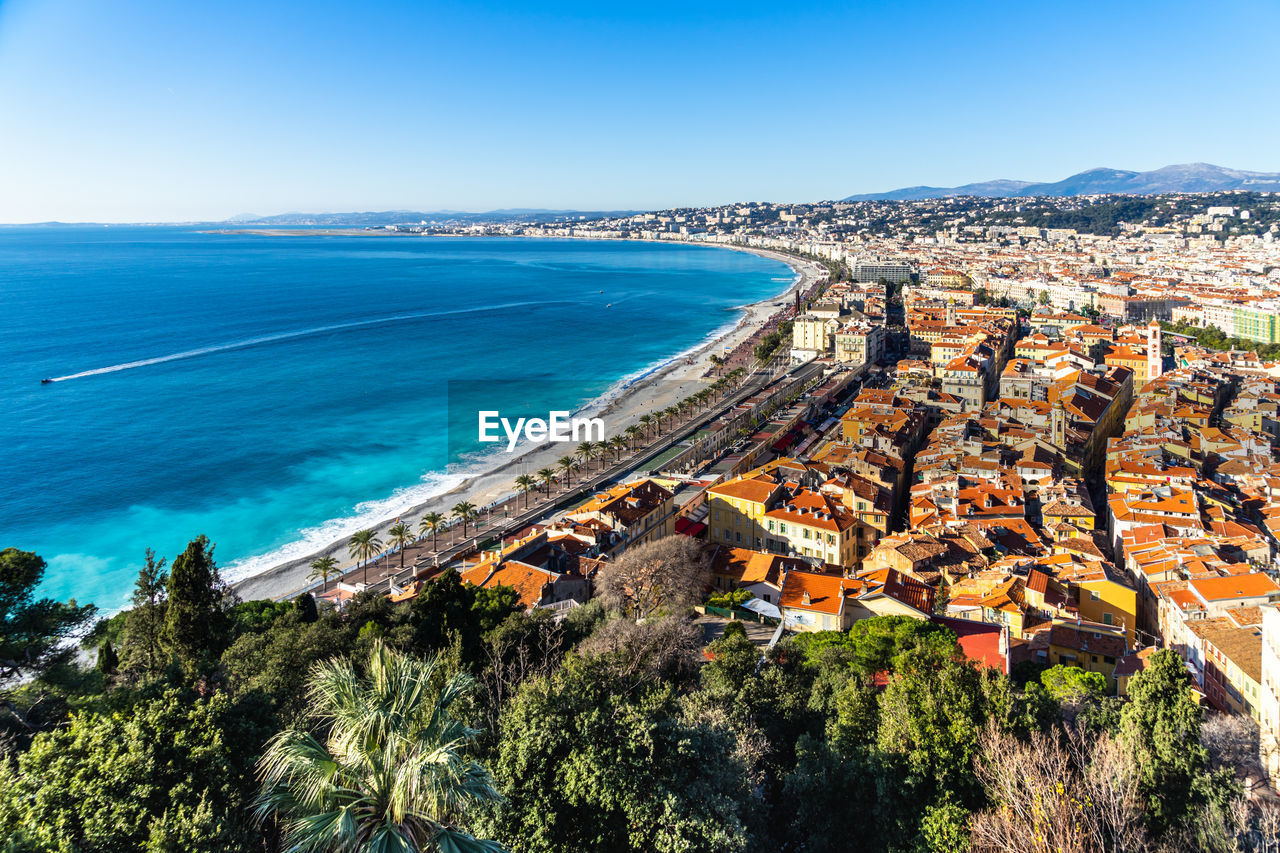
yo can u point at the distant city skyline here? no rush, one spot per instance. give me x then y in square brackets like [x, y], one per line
[147, 111]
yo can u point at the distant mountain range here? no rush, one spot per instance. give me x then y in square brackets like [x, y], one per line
[1186, 178]
[411, 217]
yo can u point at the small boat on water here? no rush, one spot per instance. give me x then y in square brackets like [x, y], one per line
[46, 381]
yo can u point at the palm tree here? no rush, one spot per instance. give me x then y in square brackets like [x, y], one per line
[632, 431]
[392, 771]
[431, 523]
[321, 568]
[567, 464]
[525, 484]
[547, 476]
[465, 512]
[618, 444]
[598, 451]
[645, 420]
[671, 412]
[585, 451]
[364, 545]
[400, 536]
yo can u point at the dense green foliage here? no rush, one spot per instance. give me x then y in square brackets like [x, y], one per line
[774, 342]
[1211, 337]
[595, 733]
[135, 777]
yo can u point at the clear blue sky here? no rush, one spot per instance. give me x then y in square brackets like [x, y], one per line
[149, 111]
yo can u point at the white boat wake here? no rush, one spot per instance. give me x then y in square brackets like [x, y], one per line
[281, 336]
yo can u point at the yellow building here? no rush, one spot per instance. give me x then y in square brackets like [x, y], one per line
[815, 334]
[1108, 601]
[1135, 360]
[737, 511]
[768, 510]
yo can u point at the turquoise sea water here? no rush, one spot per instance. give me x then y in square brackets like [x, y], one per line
[275, 393]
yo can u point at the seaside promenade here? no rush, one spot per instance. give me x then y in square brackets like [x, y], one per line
[509, 517]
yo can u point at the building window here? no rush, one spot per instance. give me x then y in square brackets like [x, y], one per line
[1107, 619]
[1094, 595]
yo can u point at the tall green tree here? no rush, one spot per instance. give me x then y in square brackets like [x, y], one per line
[446, 608]
[32, 629]
[1160, 726]
[567, 464]
[143, 643]
[932, 714]
[1072, 684]
[390, 771]
[197, 615]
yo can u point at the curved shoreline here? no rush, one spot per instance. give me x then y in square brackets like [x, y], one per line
[653, 388]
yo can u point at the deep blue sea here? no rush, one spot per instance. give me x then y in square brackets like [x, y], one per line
[276, 393]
